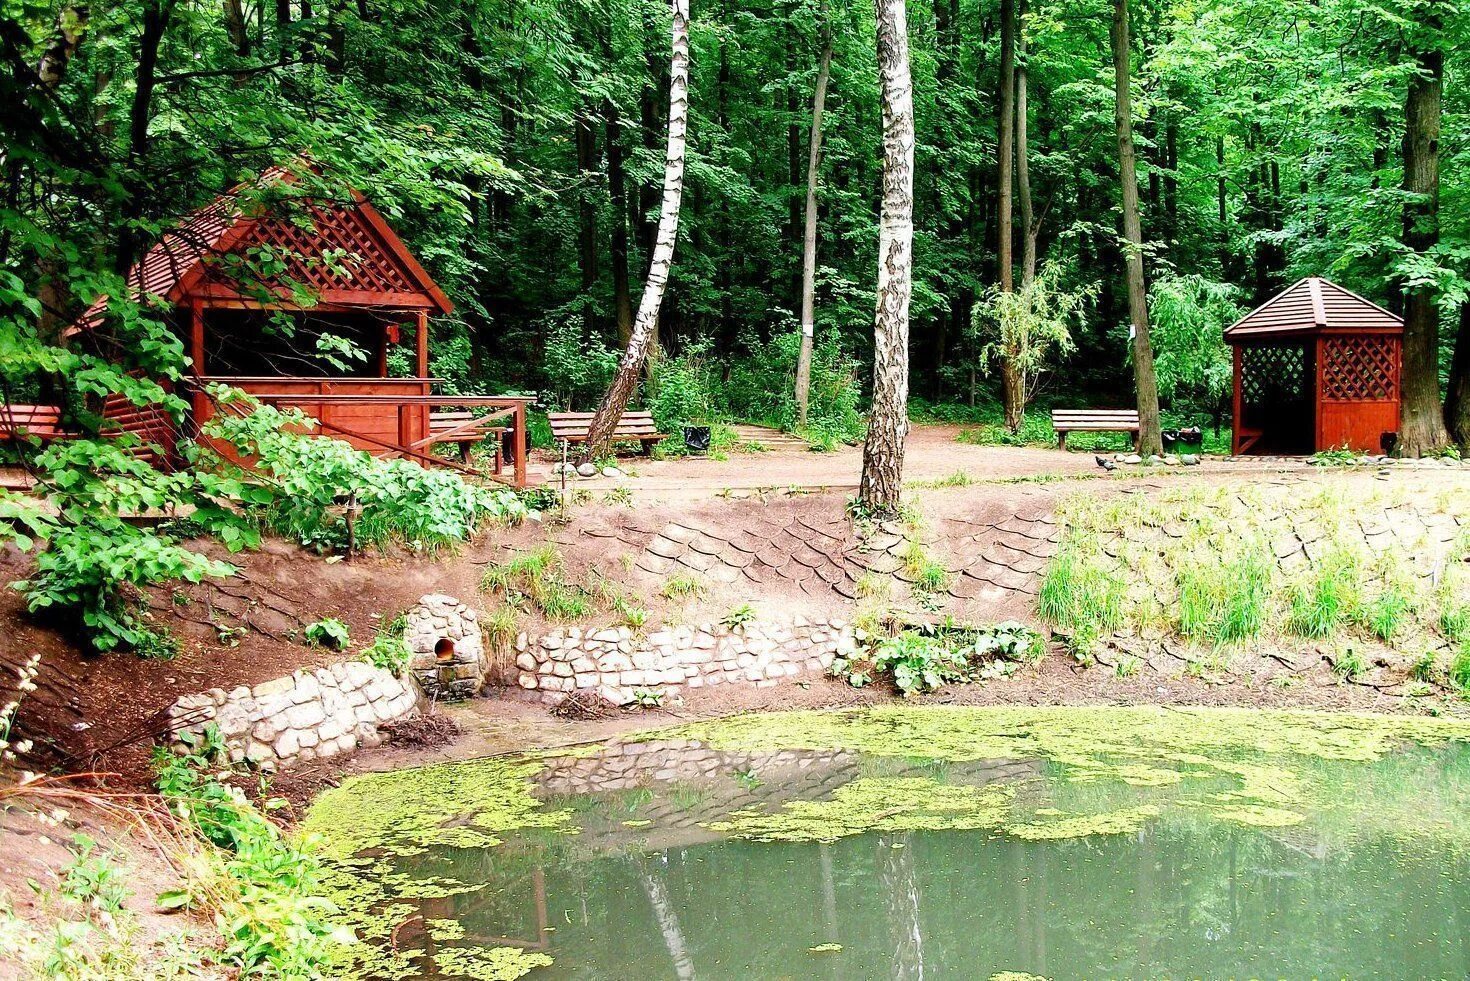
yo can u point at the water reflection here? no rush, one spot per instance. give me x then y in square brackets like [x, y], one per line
[646, 891]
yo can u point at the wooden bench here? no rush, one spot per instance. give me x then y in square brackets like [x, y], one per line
[21, 422]
[633, 427]
[1066, 421]
[466, 429]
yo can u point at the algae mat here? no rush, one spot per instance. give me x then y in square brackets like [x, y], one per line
[1056, 842]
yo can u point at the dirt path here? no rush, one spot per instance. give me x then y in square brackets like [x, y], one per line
[932, 454]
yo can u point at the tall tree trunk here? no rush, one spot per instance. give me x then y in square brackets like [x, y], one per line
[1457, 399]
[1010, 372]
[235, 27]
[809, 236]
[888, 424]
[1149, 440]
[156, 15]
[1006, 144]
[1029, 224]
[586, 144]
[1422, 429]
[618, 188]
[615, 401]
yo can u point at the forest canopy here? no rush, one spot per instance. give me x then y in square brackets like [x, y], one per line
[517, 147]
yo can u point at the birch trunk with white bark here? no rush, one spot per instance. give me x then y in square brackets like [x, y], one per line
[888, 424]
[615, 401]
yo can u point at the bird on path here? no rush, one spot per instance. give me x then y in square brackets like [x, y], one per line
[1105, 463]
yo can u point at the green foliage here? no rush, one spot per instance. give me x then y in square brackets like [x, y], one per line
[739, 617]
[538, 578]
[307, 488]
[1081, 594]
[387, 650]
[682, 586]
[1030, 327]
[924, 657]
[1226, 601]
[327, 632]
[1326, 598]
[578, 368]
[682, 390]
[1189, 316]
[1459, 670]
[263, 887]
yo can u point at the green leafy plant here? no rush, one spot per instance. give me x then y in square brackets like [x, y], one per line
[263, 888]
[739, 617]
[923, 657]
[327, 632]
[328, 495]
[388, 651]
[649, 698]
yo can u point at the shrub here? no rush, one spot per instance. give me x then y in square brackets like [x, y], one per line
[388, 650]
[307, 488]
[327, 632]
[924, 657]
[262, 887]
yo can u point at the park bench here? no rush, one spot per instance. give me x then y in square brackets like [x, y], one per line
[42, 422]
[1066, 421]
[633, 427]
[466, 429]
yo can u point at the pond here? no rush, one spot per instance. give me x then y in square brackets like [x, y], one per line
[923, 843]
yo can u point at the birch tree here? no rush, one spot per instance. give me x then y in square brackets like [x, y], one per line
[888, 424]
[600, 430]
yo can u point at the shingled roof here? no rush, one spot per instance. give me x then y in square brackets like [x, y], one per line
[179, 263]
[1313, 305]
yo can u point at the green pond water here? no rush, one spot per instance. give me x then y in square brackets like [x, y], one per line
[923, 843]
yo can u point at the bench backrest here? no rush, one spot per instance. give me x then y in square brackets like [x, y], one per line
[1094, 418]
[42, 421]
[574, 425]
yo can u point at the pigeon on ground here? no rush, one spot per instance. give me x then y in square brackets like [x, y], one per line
[1105, 463]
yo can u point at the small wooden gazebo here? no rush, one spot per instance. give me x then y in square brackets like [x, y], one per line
[1317, 367]
[263, 282]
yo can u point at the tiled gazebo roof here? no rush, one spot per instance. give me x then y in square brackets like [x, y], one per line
[1313, 305]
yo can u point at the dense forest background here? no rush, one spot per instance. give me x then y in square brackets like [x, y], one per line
[517, 147]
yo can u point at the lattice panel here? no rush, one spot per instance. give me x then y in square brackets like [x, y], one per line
[357, 261]
[1360, 369]
[1272, 375]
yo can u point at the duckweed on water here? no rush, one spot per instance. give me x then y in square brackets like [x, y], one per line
[1082, 772]
[901, 804]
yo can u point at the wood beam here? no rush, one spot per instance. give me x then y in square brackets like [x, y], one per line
[421, 342]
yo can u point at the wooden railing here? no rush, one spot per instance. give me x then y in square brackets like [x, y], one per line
[392, 423]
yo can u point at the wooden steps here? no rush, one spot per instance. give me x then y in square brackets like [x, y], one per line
[768, 438]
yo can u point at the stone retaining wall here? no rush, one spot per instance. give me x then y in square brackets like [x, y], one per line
[303, 716]
[617, 663]
[436, 619]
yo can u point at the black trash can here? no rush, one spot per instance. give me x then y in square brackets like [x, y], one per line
[696, 439]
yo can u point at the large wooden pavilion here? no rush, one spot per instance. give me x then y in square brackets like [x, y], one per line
[1317, 367]
[261, 283]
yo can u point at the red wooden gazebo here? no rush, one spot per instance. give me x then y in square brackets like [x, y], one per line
[1317, 367]
[263, 283]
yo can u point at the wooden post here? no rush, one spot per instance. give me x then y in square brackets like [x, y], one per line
[421, 343]
[383, 349]
[196, 354]
[421, 413]
[1235, 421]
[519, 437]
